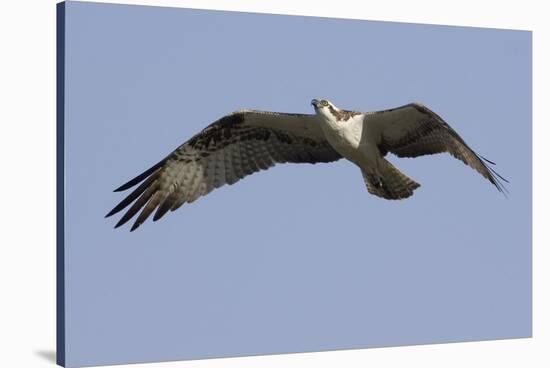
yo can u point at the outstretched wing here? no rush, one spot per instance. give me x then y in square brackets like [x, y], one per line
[414, 130]
[226, 151]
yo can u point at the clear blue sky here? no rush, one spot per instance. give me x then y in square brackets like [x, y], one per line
[301, 257]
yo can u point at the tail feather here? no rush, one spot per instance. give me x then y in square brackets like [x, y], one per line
[389, 182]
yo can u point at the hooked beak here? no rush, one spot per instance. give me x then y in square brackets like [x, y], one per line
[315, 103]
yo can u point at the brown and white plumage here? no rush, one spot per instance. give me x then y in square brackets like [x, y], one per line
[226, 151]
[248, 141]
[414, 130]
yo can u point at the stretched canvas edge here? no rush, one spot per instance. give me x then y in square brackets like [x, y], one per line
[60, 186]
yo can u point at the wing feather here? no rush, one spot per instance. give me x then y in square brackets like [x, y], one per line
[414, 130]
[142, 201]
[226, 151]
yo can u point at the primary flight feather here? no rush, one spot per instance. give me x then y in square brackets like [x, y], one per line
[248, 141]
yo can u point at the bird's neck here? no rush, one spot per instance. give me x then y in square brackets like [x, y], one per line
[329, 121]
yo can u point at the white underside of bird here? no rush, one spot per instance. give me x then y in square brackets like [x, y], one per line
[353, 139]
[248, 141]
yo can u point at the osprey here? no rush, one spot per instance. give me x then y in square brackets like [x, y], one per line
[247, 141]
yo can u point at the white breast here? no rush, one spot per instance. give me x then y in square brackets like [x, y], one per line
[345, 136]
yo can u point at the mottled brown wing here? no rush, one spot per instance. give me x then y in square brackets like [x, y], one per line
[226, 151]
[414, 130]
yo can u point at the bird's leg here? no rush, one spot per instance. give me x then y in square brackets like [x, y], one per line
[376, 178]
[379, 180]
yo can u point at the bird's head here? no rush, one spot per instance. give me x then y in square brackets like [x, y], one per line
[324, 108]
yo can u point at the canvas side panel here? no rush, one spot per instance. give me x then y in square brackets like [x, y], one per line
[60, 189]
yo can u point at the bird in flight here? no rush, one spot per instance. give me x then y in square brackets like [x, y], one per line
[247, 141]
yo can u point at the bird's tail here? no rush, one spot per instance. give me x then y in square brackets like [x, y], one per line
[388, 182]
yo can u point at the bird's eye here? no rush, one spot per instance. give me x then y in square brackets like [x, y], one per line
[324, 103]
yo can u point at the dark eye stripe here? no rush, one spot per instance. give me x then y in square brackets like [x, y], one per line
[324, 103]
